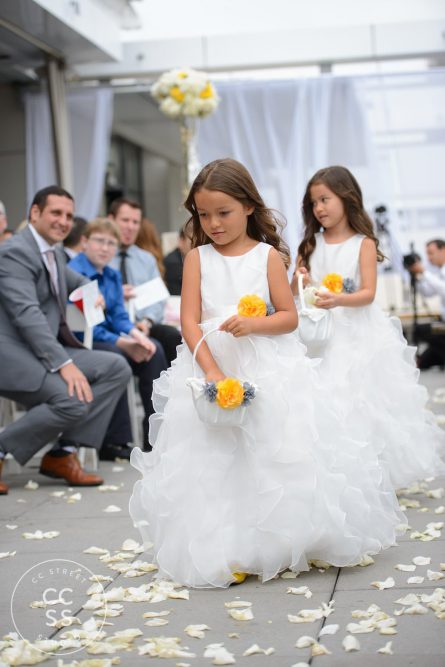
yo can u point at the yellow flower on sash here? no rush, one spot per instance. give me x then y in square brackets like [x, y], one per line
[333, 282]
[252, 305]
[230, 393]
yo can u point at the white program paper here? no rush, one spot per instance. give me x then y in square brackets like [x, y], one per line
[89, 294]
[149, 293]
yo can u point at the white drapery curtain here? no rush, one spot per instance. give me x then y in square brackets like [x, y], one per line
[90, 117]
[283, 131]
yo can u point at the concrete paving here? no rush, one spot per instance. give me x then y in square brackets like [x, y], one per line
[81, 523]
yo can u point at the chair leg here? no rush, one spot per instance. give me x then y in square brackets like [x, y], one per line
[88, 458]
[131, 393]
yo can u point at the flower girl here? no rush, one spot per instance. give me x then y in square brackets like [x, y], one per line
[366, 360]
[250, 471]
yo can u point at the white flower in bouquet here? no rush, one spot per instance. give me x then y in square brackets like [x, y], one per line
[185, 92]
[310, 295]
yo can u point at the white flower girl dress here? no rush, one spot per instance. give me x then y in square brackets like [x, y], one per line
[374, 379]
[286, 487]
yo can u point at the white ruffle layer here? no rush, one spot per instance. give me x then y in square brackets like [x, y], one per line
[288, 487]
[375, 392]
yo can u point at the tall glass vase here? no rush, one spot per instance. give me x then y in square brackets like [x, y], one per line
[190, 160]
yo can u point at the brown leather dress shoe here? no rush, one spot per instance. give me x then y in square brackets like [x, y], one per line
[4, 488]
[68, 468]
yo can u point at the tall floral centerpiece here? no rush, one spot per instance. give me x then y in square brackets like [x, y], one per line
[185, 95]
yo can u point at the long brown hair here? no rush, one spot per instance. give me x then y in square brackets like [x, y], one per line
[232, 178]
[148, 239]
[343, 184]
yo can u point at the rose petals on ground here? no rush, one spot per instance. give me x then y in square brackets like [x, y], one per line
[196, 631]
[255, 649]
[96, 551]
[237, 603]
[415, 580]
[405, 568]
[302, 590]
[7, 554]
[386, 650]
[365, 561]
[241, 614]
[434, 576]
[350, 643]
[305, 641]
[31, 485]
[112, 508]
[421, 560]
[382, 585]
[329, 630]
[319, 649]
[40, 535]
[220, 655]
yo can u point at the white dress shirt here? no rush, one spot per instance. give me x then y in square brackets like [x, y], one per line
[432, 282]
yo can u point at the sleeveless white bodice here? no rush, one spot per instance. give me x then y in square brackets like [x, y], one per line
[342, 258]
[224, 280]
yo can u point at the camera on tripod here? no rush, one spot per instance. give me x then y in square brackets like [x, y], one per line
[411, 259]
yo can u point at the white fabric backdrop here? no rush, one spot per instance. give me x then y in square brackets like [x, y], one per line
[90, 118]
[283, 131]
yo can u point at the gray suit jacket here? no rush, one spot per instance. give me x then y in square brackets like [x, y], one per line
[29, 313]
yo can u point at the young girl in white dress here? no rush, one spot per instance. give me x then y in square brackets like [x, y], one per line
[367, 361]
[286, 486]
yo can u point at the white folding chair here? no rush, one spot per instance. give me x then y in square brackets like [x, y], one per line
[77, 322]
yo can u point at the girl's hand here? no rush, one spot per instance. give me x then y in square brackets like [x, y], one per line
[327, 300]
[306, 278]
[214, 376]
[237, 325]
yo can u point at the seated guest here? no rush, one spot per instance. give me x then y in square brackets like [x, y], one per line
[6, 235]
[174, 263]
[117, 333]
[137, 266]
[429, 283]
[148, 239]
[73, 243]
[70, 393]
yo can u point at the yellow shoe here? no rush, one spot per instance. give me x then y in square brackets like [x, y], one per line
[239, 577]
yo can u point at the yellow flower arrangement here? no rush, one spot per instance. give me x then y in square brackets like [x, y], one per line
[333, 282]
[183, 93]
[252, 305]
[230, 393]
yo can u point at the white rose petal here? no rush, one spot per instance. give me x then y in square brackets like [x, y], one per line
[382, 585]
[319, 649]
[241, 614]
[350, 643]
[196, 631]
[40, 535]
[421, 560]
[11, 526]
[329, 630]
[96, 551]
[409, 599]
[31, 485]
[415, 609]
[366, 560]
[130, 545]
[156, 622]
[305, 641]
[112, 508]
[440, 509]
[7, 554]
[415, 580]
[405, 568]
[289, 575]
[74, 498]
[220, 655]
[155, 614]
[386, 650]
[237, 603]
[434, 576]
[254, 649]
[302, 590]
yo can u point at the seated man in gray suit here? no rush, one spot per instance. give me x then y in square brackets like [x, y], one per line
[70, 393]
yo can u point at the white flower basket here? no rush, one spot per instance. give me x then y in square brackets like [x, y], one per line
[210, 412]
[315, 324]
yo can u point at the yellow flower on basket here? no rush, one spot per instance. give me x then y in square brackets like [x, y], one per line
[333, 282]
[252, 305]
[230, 393]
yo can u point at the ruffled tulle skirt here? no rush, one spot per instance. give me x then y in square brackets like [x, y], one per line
[287, 487]
[375, 392]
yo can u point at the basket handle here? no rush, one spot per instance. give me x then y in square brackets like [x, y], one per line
[202, 339]
[304, 307]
